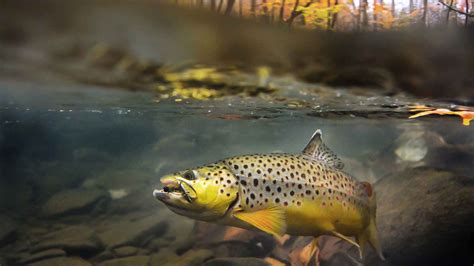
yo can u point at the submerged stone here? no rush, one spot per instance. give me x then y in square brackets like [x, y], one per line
[62, 261]
[134, 232]
[193, 258]
[73, 201]
[425, 217]
[8, 229]
[126, 251]
[237, 262]
[164, 256]
[128, 261]
[74, 239]
[46, 254]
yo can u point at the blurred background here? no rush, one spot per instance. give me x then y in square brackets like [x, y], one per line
[100, 98]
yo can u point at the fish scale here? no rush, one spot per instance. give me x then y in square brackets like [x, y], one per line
[290, 180]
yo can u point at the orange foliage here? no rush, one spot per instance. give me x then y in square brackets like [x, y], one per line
[333, 14]
[466, 114]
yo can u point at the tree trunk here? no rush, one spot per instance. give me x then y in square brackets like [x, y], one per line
[253, 7]
[334, 16]
[229, 7]
[393, 8]
[294, 13]
[363, 12]
[282, 11]
[213, 5]
[425, 11]
[449, 12]
[240, 8]
[219, 8]
[467, 12]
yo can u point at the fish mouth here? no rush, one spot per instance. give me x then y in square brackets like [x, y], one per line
[174, 188]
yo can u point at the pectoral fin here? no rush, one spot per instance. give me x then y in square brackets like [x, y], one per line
[270, 220]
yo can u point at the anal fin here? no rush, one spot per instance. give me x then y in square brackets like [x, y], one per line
[270, 220]
[348, 240]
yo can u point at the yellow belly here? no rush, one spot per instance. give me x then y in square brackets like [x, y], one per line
[313, 218]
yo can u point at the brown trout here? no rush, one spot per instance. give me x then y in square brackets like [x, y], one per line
[304, 194]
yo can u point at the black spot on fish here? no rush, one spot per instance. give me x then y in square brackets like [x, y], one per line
[277, 200]
[292, 193]
[246, 166]
[255, 182]
[279, 189]
[252, 196]
[300, 186]
[267, 188]
[247, 201]
[269, 170]
[243, 182]
[236, 167]
[308, 192]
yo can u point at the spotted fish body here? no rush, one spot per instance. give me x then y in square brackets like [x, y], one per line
[312, 192]
[304, 194]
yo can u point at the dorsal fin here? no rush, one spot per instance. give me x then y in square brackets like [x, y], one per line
[317, 150]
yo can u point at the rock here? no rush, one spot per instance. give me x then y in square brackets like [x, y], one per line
[180, 235]
[136, 232]
[126, 251]
[46, 254]
[425, 216]
[125, 201]
[236, 249]
[62, 261]
[8, 229]
[128, 179]
[73, 201]
[103, 256]
[192, 258]
[163, 257]
[128, 261]
[74, 239]
[237, 262]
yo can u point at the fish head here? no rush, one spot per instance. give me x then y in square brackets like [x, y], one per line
[204, 193]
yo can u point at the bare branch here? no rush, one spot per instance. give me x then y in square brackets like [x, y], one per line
[295, 13]
[456, 10]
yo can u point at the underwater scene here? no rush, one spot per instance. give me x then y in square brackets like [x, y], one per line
[129, 136]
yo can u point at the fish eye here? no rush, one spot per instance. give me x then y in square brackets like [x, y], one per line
[189, 175]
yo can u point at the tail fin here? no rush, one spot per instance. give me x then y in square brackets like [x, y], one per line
[369, 235]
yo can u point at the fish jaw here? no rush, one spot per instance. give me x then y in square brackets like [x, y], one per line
[175, 192]
[205, 193]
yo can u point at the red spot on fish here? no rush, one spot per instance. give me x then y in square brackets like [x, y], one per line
[368, 188]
